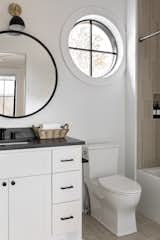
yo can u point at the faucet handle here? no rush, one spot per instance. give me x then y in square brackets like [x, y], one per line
[2, 133]
[13, 135]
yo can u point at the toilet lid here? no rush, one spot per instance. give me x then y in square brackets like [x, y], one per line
[120, 184]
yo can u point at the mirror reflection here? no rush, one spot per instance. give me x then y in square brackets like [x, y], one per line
[28, 75]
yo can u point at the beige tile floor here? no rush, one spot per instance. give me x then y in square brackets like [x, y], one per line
[147, 230]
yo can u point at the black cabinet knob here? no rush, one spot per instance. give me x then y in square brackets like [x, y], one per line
[13, 183]
[4, 184]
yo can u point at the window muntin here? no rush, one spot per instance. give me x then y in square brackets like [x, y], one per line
[93, 48]
[7, 95]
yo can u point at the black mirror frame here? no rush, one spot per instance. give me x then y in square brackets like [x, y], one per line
[54, 64]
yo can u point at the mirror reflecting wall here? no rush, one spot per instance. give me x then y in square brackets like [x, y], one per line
[28, 75]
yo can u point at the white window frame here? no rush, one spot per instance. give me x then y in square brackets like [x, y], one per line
[98, 15]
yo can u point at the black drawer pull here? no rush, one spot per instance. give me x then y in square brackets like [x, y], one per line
[67, 218]
[67, 160]
[65, 188]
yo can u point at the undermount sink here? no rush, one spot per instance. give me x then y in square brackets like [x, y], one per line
[16, 136]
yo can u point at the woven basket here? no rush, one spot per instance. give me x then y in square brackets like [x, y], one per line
[51, 133]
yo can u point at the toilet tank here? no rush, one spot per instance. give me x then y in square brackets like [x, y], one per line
[103, 159]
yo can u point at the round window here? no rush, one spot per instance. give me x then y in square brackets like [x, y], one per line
[93, 48]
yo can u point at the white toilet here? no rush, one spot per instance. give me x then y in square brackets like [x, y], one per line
[113, 198]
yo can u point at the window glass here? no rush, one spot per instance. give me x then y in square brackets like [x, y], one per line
[93, 48]
[81, 60]
[80, 36]
[7, 95]
[102, 63]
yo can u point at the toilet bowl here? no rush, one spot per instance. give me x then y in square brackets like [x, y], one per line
[113, 198]
[113, 203]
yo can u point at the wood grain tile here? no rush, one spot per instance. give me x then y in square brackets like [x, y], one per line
[148, 84]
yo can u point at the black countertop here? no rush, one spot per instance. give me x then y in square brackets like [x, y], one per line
[27, 135]
[37, 143]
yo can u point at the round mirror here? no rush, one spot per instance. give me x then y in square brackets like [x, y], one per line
[28, 74]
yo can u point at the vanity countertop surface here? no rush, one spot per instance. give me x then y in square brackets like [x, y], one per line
[37, 143]
[30, 141]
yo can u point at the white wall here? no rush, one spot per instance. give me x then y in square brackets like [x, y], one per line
[94, 113]
[131, 90]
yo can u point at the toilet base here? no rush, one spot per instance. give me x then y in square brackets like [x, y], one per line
[120, 223]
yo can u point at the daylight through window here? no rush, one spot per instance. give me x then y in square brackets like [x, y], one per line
[7, 95]
[93, 48]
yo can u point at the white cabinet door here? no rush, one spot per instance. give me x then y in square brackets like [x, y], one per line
[30, 208]
[4, 209]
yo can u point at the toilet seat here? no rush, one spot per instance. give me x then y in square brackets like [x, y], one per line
[120, 185]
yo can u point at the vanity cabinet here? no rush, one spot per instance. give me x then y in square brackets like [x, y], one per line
[25, 195]
[41, 194]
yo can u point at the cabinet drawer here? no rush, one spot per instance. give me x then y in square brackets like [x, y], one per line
[67, 187]
[25, 163]
[67, 218]
[67, 159]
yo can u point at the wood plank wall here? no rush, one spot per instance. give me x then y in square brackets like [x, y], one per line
[148, 84]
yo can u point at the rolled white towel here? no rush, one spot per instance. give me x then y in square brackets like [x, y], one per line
[47, 126]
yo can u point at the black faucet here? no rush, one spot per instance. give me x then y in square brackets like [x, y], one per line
[2, 133]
